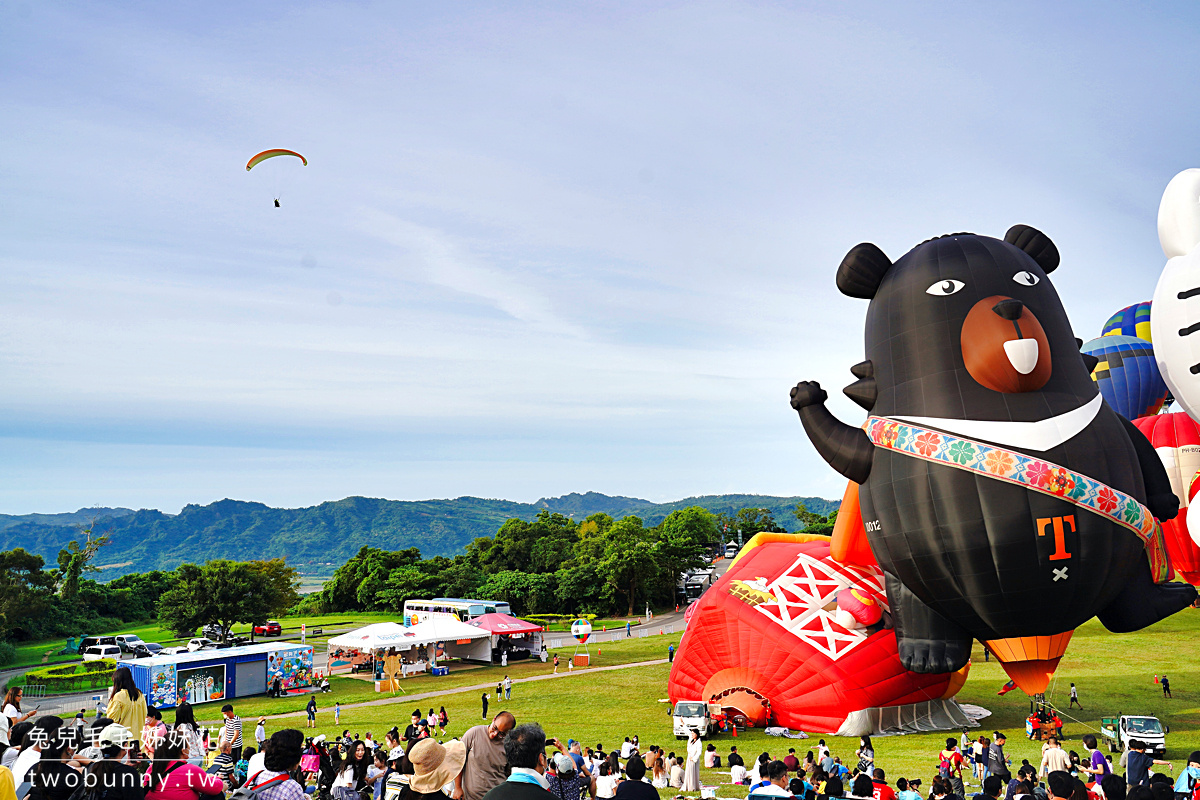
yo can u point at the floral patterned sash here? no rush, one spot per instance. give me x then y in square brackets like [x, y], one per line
[1035, 474]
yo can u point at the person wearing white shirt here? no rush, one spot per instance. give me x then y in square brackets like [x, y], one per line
[256, 764]
[778, 774]
[737, 774]
[626, 748]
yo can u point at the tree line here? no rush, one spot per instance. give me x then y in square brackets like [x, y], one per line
[599, 565]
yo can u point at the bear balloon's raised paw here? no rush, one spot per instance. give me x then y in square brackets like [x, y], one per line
[933, 656]
[808, 393]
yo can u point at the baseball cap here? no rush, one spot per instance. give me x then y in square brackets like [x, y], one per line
[115, 735]
[396, 752]
[563, 763]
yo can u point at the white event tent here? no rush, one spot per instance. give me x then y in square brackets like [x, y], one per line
[450, 637]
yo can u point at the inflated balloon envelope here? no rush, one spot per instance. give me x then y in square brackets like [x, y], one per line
[768, 639]
[1003, 499]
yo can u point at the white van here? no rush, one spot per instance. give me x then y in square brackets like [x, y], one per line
[102, 651]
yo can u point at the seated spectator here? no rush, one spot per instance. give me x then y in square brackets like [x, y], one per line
[777, 781]
[881, 790]
[675, 779]
[796, 787]
[790, 759]
[862, 787]
[568, 782]
[833, 788]
[606, 781]
[660, 778]
[903, 792]
[711, 759]
[992, 786]
[735, 759]
[635, 788]
[281, 758]
[525, 751]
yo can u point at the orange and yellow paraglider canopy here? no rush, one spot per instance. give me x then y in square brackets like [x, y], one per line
[265, 154]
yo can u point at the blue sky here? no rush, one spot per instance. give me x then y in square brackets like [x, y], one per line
[538, 248]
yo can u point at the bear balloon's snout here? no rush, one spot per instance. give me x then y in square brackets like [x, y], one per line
[1004, 346]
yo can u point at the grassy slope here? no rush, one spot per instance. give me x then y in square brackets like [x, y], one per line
[1114, 675]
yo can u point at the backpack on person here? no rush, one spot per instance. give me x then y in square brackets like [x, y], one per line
[944, 769]
[247, 791]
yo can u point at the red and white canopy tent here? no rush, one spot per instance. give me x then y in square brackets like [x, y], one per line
[511, 634]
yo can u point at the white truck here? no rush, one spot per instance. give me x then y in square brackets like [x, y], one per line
[697, 583]
[1119, 731]
[691, 715]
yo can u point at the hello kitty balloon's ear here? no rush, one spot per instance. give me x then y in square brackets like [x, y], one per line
[1179, 214]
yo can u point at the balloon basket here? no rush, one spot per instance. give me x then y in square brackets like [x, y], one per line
[582, 659]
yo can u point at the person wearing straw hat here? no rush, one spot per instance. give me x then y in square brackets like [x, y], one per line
[434, 766]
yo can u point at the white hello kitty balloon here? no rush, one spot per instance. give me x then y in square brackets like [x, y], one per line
[1175, 315]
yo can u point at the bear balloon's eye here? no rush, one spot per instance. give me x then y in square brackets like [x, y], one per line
[1026, 278]
[945, 288]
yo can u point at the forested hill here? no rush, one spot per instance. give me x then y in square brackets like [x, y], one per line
[320, 538]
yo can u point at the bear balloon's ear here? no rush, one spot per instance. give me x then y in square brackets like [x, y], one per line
[862, 270]
[1036, 244]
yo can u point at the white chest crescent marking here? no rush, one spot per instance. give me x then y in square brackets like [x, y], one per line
[1040, 436]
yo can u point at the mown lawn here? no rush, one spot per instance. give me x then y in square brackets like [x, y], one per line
[346, 690]
[1114, 674]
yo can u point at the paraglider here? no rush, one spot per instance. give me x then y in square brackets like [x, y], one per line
[1127, 375]
[1132, 320]
[266, 154]
[768, 639]
[994, 481]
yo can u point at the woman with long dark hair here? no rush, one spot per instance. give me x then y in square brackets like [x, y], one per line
[866, 755]
[185, 723]
[126, 704]
[109, 773]
[12, 706]
[443, 721]
[53, 778]
[352, 772]
[171, 777]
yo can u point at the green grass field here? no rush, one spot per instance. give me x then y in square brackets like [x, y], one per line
[1114, 674]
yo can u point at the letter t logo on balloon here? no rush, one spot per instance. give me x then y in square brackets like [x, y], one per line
[1060, 545]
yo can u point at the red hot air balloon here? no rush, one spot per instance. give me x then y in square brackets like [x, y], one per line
[1176, 439]
[766, 641]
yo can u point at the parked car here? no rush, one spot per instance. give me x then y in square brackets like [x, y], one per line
[270, 628]
[731, 550]
[174, 651]
[200, 643]
[128, 641]
[92, 641]
[147, 650]
[102, 651]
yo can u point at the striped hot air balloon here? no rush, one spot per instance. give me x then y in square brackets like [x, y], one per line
[1127, 375]
[1132, 320]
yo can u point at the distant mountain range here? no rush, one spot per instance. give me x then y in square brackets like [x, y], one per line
[317, 539]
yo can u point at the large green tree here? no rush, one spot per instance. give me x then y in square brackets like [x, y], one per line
[26, 593]
[358, 584]
[631, 562]
[227, 592]
[76, 559]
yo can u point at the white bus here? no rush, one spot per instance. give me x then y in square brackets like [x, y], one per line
[466, 610]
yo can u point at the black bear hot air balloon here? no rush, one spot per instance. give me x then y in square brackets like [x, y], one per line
[1002, 497]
